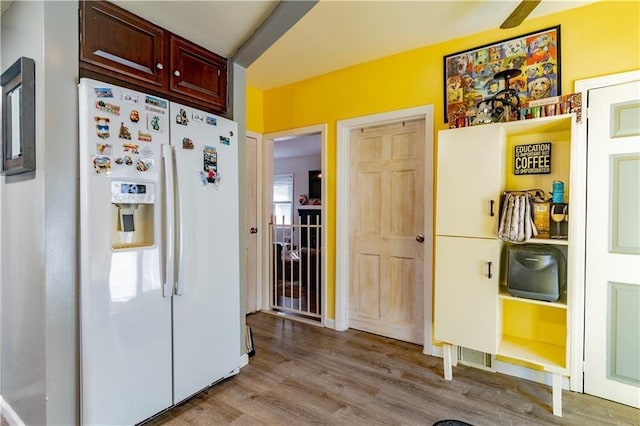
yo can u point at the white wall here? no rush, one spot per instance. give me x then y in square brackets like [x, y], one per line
[23, 314]
[300, 167]
[61, 211]
[38, 279]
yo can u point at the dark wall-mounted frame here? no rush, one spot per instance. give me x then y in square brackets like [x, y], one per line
[469, 75]
[19, 117]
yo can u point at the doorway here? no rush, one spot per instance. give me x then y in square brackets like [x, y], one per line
[612, 275]
[294, 206]
[412, 267]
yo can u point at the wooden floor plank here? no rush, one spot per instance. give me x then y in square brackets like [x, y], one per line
[304, 374]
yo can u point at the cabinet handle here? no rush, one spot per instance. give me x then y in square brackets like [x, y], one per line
[489, 274]
[176, 73]
[160, 66]
[491, 212]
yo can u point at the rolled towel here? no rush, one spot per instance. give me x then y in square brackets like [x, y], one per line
[515, 220]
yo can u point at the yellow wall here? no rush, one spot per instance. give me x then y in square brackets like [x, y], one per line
[255, 116]
[598, 39]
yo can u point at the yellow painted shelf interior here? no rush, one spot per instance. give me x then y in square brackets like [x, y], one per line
[558, 132]
[534, 332]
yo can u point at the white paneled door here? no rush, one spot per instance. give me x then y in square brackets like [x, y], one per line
[612, 292]
[251, 224]
[387, 223]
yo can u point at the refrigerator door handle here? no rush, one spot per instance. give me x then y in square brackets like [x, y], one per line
[167, 155]
[179, 284]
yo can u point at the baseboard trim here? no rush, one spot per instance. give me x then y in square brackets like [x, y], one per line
[10, 416]
[330, 323]
[244, 360]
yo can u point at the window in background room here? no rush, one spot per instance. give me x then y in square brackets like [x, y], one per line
[283, 198]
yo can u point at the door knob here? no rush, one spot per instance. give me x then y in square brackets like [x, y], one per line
[159, 66]
[253, 230]
[176, 73]
[420, 238]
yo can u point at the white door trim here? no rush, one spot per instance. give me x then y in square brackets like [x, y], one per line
[577, 312]
[259, 213]
[344, 128]
[267, 201]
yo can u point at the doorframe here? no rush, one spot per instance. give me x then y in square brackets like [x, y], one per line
[267, 202]
[343, 206]
[576, 382]
[259, 212]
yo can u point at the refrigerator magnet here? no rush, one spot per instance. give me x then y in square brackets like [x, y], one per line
[225, 141]
[107, 107]
[196, 116]
[134, 116]
[144, 136]
[187, 143]
[146, 152]
[210, 166]
[102, 127]
[104, 148]
[126, 160]
[130, 147]
[102, 165]
[181, 118]
[155, 123]
[103, 92]
[154, 110]
[130, 98]
[144, 165]
[212, 121]
[124, 132]
[156, 102]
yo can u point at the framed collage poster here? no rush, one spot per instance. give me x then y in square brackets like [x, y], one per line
[469, 75]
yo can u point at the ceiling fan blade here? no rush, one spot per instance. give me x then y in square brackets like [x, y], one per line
[519, 13]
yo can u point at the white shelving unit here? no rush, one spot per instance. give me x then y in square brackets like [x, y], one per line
[472, 307]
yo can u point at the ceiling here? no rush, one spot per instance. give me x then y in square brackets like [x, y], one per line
[334, 34]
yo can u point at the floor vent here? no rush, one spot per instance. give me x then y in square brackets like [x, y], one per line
[476, 359]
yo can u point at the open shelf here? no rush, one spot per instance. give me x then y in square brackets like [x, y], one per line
[561, 303]
[551, 358]
[540, 125]
[551, 241]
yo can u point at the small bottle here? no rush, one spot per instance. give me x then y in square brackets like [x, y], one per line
[557, 192]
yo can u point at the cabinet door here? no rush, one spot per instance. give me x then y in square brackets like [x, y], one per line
[121, 45]
[466, 292]
[198, 73]
[470, 178]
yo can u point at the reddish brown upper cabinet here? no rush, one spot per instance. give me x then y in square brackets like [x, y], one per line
[119, 44]
[120, 47]
[197, 73]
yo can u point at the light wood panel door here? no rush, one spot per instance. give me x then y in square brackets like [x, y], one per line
[251, 223]
[612, 302]
[387, 211]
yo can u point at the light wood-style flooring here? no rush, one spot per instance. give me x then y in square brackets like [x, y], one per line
[304, 374]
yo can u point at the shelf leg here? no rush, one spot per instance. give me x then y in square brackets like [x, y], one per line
[446, 351]
[557, 395]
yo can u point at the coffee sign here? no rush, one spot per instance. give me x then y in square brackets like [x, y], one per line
[532, 159]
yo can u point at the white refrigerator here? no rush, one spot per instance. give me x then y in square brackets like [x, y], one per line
[159, 277]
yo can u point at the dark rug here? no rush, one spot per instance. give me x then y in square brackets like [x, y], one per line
[451, 423]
